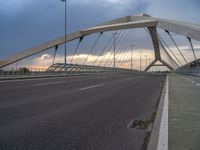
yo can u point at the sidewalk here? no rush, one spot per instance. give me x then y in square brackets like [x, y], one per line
[184, 112]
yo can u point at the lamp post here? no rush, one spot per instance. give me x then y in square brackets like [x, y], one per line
[65, 44]
[140, 61]
[146, 60]
[132, 56]
[114, 37]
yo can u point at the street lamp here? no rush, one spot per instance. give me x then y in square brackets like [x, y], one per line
[114, 37]
[131, 56]
[146, 60]
[140, 61]
[65, 36]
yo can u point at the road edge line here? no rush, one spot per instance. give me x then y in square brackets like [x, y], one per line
[159, 134]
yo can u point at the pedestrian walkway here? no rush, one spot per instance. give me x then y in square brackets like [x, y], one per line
[184, 112]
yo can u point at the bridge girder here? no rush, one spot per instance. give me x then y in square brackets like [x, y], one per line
[138, 21]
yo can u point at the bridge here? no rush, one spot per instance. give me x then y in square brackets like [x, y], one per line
[103, 97]
[162, 52]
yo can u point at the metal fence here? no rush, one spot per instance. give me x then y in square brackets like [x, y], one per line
[192, 68]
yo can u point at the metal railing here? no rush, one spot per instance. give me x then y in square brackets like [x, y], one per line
[192, 68]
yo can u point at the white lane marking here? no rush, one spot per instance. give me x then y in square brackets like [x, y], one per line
[48, 83]
[163, 133]
[197, 84]
[128, 78]
[90, 87]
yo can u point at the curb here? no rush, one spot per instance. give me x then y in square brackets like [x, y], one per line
[159, 134]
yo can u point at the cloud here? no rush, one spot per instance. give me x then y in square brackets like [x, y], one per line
[43, 61]
[45, 56]
[175, 9]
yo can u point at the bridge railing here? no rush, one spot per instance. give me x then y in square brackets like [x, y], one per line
[192, 68]
[59, 70]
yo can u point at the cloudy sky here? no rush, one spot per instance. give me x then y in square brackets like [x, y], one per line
[26, 23]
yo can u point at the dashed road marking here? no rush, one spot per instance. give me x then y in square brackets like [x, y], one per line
[197, 84]
[130, 124]
[90, 87]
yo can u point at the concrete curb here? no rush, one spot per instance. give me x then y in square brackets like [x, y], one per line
[159, 134]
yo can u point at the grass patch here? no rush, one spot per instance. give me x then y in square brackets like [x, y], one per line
[140, 124]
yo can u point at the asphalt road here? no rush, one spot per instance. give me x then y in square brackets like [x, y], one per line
[76, 113]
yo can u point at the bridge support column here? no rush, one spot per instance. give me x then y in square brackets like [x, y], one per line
[156, 45]
[150, 65]
[154, 62]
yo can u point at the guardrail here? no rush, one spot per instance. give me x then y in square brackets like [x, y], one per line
[192, 68]
[189, 71]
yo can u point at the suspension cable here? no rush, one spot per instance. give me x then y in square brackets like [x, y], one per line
[118, 46]
[104, 54]
[166, 51]
[101, 52]
[176, 45]
[124, 47]
[118, 42]
[54, 56]
[92, 48]
[119, 36]
[161, 39]
[139, 33]
[125, 55]
[79, 42]
[163, 42]
[190, 41]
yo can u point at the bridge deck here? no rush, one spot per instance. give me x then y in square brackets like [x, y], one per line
[184, 112]
[82, 113]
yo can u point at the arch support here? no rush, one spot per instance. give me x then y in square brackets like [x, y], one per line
[154, 37]
[153, 63]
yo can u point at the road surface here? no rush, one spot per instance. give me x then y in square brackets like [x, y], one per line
[77, 113]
